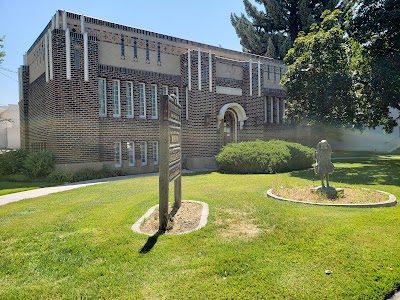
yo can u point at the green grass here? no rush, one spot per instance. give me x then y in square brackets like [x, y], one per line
[78, 244]
[9, 187]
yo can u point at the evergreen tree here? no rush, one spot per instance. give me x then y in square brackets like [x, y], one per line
[280, 23]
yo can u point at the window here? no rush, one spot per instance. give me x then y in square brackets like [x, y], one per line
[131, 153]
[204, 71]
[155, 153]
[102, 97]
[116, 99]
[143, 153]
[154, 113]
[129, 99]
[117, 154]
[77, 57]
[142, 101]
[176, 92]
[165, 90]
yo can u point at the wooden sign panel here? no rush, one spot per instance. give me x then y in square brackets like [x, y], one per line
[170, 157]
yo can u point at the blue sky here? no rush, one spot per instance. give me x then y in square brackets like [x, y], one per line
[205, 21]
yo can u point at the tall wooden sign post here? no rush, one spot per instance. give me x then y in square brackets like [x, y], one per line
[170, 158]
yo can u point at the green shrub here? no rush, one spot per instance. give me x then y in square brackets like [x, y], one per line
[264, 157]
[12, 162]
[83, 175]
[39, 164]
[61, 176]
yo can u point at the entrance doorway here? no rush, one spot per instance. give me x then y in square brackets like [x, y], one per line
[230, 127]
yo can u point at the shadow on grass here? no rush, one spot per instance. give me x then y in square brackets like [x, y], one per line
[151, 241]
[361, 171]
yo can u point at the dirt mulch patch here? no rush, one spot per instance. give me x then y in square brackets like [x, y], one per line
[186, 219]
[349, 196]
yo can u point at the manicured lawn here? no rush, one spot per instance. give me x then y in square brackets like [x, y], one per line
[9, 187]
[78, 244]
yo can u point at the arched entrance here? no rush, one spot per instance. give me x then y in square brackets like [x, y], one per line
[230, 127]
[231, 116]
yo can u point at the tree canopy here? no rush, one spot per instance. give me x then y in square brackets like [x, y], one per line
[338, 75]
[376, 24]
[272, 32]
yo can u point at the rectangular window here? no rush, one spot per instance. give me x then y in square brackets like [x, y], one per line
[116, 99]
[117, 154]
[265, 110]
[155, 153]
[176, 92]
[142, 101]
[143, 153]
[131, 153]
[204, 71]
[165, 90]
[77, 57]
[129, 99]
[154, 113]
[274, 74]
[102, 97]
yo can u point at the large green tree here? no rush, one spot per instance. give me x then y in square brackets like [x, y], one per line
[376, 24]
[336, 79]
[271, 32]
[321, 74]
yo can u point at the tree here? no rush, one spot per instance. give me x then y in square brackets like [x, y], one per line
[319, 80]
[376, 24]
[280, 24]
[331, 79]
[2, 53]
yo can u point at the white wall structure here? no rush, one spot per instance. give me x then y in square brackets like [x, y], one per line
[369, 140]
[9, 127]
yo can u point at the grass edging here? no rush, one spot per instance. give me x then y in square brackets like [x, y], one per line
[391, 202]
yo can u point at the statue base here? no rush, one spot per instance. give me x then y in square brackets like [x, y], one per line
[328, 191]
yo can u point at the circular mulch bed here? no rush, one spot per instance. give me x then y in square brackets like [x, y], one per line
[350, 197]
[192, 215]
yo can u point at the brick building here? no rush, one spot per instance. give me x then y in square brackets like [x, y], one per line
[89, 92]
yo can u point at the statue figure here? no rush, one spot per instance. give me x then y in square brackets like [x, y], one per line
[324, 166]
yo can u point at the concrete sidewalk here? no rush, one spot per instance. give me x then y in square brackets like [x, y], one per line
[61, 188]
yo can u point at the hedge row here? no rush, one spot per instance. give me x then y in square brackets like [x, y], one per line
[273, 156]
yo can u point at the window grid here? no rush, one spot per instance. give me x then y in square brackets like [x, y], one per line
[143, 153]
[142, 101]
[165, 90]
[154, 113]
[129, 99]
[102, 97]
[131, 153]
[116, 99]
[117, 154]
[176, 92]
[155, 153]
